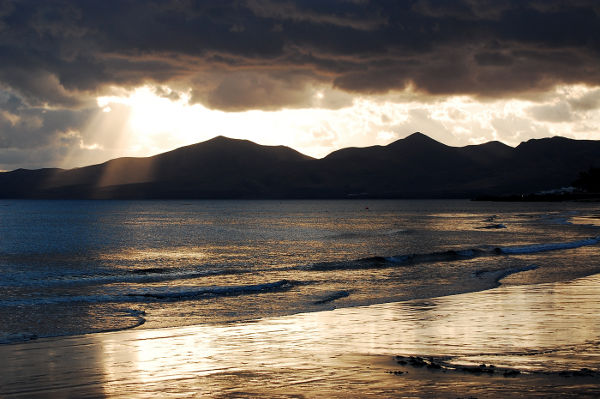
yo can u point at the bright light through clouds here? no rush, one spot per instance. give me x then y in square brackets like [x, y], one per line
[82, 85]
[157, 123]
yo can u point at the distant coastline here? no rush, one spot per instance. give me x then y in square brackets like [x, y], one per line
[416, 167]
[533, 197]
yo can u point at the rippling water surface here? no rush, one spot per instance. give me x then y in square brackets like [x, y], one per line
[71, 267]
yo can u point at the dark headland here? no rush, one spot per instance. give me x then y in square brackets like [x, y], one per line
[414, 167]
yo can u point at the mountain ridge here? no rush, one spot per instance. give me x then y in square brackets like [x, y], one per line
[416, 166]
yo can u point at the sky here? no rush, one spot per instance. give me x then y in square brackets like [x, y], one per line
[82, 82]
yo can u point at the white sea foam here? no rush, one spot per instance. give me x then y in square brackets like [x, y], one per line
[535, 248]
[451, 255]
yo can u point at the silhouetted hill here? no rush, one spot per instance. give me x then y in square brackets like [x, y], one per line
[487, 153]
[414, 167]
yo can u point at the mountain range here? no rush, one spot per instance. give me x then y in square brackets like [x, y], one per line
[414, 167]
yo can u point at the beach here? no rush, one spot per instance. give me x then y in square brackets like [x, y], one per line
[299, 199]
[338, 353]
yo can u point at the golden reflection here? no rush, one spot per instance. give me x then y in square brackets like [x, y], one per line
[546, 326]
[585, 220]
[173, 253]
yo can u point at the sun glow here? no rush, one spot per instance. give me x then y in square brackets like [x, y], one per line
[150, 120]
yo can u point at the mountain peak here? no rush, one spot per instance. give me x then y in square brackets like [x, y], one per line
[217, 143]
[221, 138]
[224, 140]
[237, 150]
[417, 136]
[555, 142]
[416, 139]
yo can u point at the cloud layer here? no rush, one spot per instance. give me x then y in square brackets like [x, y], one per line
[264, 53]
[57, 57]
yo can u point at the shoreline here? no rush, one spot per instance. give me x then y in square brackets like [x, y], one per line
[495, 277]
[332, 353]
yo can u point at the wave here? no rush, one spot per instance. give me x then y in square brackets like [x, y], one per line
[498, 275]
[147, 275]
[135, 314]
[534, 248]
[492, 226]
[17, 337]
[362, 234]
[332, 297]
[562, 218]
[447, 256]
[166, 294]
[278, 286]
[391, 261]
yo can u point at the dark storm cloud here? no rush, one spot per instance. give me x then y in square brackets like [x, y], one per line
[22, 126]
[237, 54]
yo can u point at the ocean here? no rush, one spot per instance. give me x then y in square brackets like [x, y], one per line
[78, 267]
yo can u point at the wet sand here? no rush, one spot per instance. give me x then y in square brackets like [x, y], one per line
[539, 330]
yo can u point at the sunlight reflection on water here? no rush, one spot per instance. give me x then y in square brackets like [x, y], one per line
[547, 327]
[541, 327]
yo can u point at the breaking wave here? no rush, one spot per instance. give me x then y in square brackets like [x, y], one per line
[332, 297]
[534, 248]
[498, 275]
[448, 256]
[278, 286]
[164, 294]
[147, 275]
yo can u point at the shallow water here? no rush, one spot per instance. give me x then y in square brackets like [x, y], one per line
[72, 267]
[547, 327]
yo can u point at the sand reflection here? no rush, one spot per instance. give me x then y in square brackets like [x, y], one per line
[543, 327]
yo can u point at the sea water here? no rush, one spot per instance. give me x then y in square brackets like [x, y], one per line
[76, 267]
